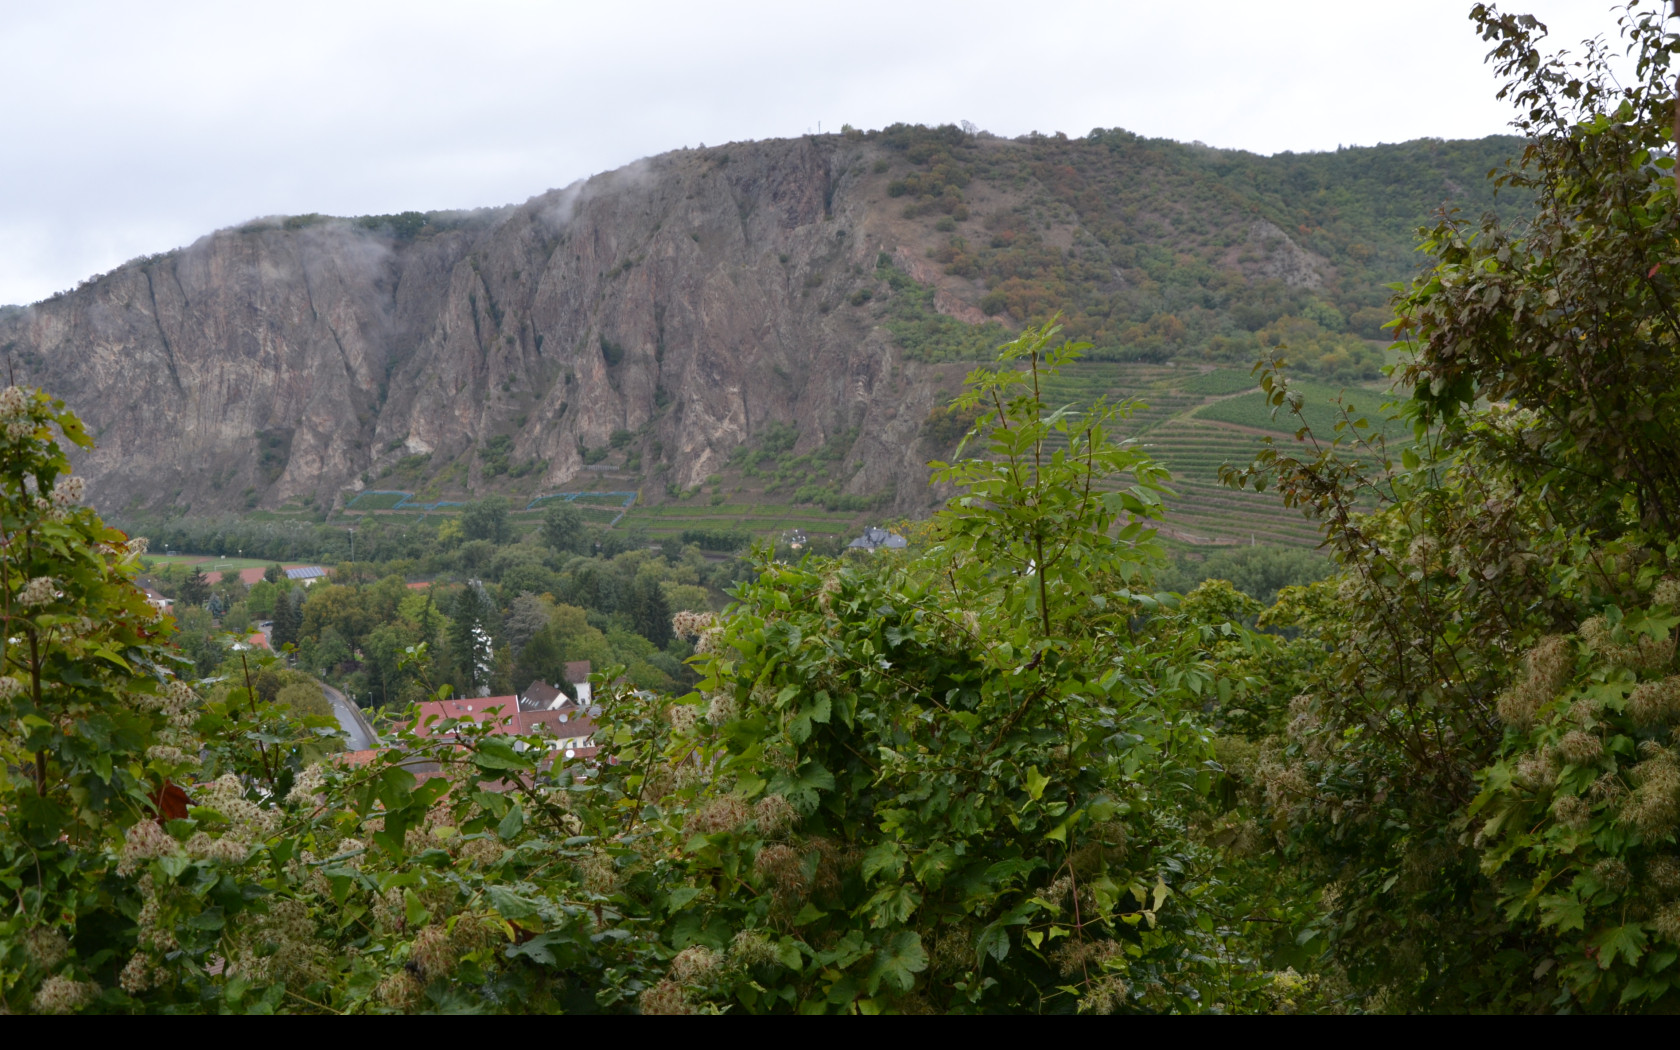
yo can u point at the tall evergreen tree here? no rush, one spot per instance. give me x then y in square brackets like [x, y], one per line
[196, 588]
[472, 639]
[287, 619]
[650, 614]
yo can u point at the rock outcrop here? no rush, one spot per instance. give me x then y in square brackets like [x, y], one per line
[690, 298]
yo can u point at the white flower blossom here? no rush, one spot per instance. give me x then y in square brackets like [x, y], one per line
[38, 591]
[13, 402]
[63, 995]
[68, 492]
[143, 842]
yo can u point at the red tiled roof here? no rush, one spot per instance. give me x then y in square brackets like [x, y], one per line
[577, 671]
[541, 694]
[472, 708]
[507, 717]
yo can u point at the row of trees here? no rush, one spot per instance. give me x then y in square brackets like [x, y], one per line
[429, 546]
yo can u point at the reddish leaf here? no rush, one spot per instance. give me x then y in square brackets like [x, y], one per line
[1654, 270]
[171, 802]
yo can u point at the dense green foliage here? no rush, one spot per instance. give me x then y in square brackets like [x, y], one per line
[1003, 770]
[1478, 755]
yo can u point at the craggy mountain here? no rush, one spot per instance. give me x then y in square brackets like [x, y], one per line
[816, 293]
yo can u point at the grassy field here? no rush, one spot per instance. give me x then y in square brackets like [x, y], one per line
[210, 563]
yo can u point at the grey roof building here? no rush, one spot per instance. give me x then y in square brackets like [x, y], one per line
[874, 539]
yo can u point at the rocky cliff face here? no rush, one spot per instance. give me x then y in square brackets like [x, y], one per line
[689, 298]
[686, 303]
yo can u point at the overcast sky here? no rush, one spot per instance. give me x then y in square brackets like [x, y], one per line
[136, 128]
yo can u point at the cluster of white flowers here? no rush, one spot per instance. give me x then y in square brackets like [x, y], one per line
[306, 788]
[14, 402]
[688, 624]
[774, 815]
[68, 492]
[226, 795]
[140, 974]
[11, 687]
[177, 702]
[752, 948]
[228, 849]
[166, 753]
[143, 842]
[39, 591]
[153, 932]
[701, 626]
[64, 995]
[178, 697]
[1547, 668]
[695, 963]
[682, 717]
[437, 948]
[137, 545]
[279, 946]
[46, 946]
[48, 510]
[721, 708]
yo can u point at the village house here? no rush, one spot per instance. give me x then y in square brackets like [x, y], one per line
[875, 539]
[163, 604]
[542, 710]
[570, 729]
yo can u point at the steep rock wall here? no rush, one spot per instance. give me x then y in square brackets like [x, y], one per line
[691, 294]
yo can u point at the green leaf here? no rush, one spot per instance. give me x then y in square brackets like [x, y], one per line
[498, 753]
[1564, 912]
[897, 962]
[413, 910]
[511, 905]
[886, 857]
[808, 914]
[512, 824]
[1628, 942]
[1036, 782]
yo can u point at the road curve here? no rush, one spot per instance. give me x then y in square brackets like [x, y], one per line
[355, 726]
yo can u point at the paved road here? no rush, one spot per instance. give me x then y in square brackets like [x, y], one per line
[360, 738]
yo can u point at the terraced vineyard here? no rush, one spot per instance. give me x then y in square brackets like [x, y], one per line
[1195, 422]
[1192, 420]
